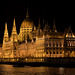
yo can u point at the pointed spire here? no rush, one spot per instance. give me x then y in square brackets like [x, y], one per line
[14, 27]
[5, 26]
[27, 15]
[46, 25]
[34, 28]
[6, 37]
[6, 30]
[39, 27]
[14, 32]
[54, 26]
[14, 24]
[69, 29]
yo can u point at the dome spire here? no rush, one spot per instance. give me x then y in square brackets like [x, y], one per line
[14, 22]
[27, 15]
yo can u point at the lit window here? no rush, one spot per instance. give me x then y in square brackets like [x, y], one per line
[53, 44]
[56, 44]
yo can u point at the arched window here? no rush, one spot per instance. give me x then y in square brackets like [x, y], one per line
[53, 44]
[57, 52]
[53, 52]
[60, 45]
[70, 44]
[56, 44]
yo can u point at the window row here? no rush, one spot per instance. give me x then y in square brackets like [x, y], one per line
[54, 52]
[54, 48]
[71, 44]
[54, 45]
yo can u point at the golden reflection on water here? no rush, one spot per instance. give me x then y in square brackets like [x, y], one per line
[61, 70]
[10, 70]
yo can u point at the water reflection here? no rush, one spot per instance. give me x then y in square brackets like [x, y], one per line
[10, 70]
[61, 71]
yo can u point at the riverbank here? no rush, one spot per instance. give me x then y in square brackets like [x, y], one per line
[38, 64]
[48, 62]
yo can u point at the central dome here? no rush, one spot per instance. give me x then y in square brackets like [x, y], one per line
[27, 23]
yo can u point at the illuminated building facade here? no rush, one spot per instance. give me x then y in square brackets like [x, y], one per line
[37, 42]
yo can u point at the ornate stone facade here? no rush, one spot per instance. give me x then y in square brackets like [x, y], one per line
[37, 42]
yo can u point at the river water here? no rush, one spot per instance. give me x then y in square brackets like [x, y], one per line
[10, 70]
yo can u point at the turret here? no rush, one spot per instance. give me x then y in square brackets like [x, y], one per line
[39, 27]
[54, 27]
[6, 36]
[46, 28]
[34, 28]
[14, 32]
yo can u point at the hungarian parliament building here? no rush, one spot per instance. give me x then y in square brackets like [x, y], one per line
[33, 41]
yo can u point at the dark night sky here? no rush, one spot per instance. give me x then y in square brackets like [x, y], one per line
[63, 12]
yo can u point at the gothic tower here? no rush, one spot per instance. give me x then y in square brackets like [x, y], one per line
[14, 35]
[6, 36]
[14, 32]
[7, 48]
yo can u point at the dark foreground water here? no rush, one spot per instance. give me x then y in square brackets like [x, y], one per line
[10, 70]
